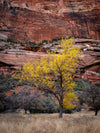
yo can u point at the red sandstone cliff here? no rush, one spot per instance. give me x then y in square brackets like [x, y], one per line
[13, 57]
[36, 20]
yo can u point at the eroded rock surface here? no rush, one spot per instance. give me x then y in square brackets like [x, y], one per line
[89, 62]
[37, 20]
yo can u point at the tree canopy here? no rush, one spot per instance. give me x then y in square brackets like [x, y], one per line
[91, 96]
[53, 74]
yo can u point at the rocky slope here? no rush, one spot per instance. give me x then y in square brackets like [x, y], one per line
[37, 20]
[15, 56]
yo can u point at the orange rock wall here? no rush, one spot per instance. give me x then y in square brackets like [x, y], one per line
[37, 20]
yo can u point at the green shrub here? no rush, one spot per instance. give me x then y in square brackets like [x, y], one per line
[68, 111]
[48, 105]
[45, 41]
[79, 86]
[32, 44]
[56, 43]
[7, 82]
[39, 44]
[54, 40]
[50, 41]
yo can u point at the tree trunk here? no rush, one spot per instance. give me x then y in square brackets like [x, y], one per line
[61, 111]
[96, 112]
[61, 98]
[61, 107]
[25, 111]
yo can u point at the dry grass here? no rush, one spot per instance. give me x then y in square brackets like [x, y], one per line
[83, 122]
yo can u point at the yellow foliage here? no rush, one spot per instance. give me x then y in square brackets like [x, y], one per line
[55, 72]
[68, 100]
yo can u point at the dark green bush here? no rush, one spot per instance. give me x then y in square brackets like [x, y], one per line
[7, 82]
[79, 86]
[45, 41]
[54, 40]
[69, 111]
[32, 44]
[48, 105]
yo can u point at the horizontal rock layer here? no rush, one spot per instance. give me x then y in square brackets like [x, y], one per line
[37, 20]
[89, 63]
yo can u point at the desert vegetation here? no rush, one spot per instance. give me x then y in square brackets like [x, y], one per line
[49, 66]
[46, 89]
[53, 74]
[91, 96]
[84, 122]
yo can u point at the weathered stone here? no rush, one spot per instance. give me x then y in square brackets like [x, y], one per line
[37, 20]
[89, 62]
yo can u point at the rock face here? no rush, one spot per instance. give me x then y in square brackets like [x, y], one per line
[37, 20]
[89, 63]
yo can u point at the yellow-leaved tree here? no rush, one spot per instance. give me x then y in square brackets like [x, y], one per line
[53, 74]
